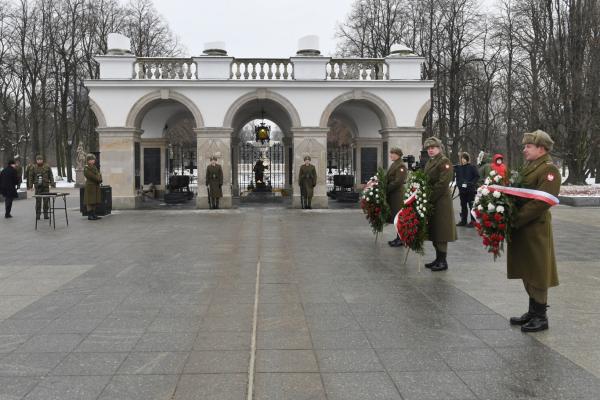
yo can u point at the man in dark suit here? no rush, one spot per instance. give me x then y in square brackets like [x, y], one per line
[8, 186]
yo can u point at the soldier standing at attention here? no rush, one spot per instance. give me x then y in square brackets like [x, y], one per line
[40, 177]
[214, 182]
[307, 179]
[531, 248]
[396, 177]
[441, 227]
[91, 194]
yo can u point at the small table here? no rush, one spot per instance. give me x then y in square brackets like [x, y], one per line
[52, 209]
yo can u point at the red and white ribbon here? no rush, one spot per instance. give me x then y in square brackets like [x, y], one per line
[411, 199]
[527, 194]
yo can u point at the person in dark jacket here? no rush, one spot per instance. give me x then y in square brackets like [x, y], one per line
[8, 186]
[466, 181]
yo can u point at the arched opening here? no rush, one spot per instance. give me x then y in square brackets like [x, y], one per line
[355, 145]
[262, 169]
[165, 157]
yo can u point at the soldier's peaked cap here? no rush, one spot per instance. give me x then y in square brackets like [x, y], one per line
[396, 150]
[39, 157]
[432, 142]
[307, 158]
[539, 138]
[89, 157]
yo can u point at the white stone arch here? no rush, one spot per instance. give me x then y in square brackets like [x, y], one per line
[425, 108]
[262, 94]
[378, 105]
[139, 109]
[98, 113]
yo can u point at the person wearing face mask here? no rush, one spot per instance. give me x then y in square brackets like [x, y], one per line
[441, 228]
[530, 255]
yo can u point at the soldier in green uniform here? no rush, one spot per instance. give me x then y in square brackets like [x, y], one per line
[531, 248]
[396, 177]
[91, 195]
[214, 182]
[441, 227]
[40, 177]
[307, 179]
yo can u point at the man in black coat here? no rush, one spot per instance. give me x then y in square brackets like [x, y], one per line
[466, 181]
[8, 186]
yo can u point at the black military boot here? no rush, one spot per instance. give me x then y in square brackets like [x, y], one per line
[434, 262]
[539, 319]
[37, 216]
[46, 216]
[302, 202]
[216, 204]
[525, 318]
[309, 205]
[463, 222]
[441, 265]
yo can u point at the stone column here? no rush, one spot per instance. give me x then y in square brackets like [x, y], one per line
[408, 139]
[117, 146]
[214, 141]
[311, 142]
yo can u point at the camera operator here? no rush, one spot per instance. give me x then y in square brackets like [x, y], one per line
[466, 181]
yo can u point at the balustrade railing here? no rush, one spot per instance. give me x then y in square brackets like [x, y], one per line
[164, 68]
[261, 69]
[362, 69]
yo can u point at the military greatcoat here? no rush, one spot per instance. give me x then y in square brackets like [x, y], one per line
[307, 179]
[440, 172]
[531, 248]
[396, 178]
[93, 179]
[214, 181]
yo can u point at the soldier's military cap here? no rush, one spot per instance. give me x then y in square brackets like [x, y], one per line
[396, 150]
[89, 157]
[213, 158]
[307, 158]
[432, 142]
[539, 138]
[39, 157]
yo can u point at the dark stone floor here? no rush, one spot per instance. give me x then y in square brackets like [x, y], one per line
[160, 305]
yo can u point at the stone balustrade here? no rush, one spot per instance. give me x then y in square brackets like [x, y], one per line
[164, 68]
[261, 69]
[361, 69]
[354, 69]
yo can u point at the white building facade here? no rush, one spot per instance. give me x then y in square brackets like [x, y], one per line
[383, 101]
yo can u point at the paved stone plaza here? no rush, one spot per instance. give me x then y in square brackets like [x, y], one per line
[160, 305]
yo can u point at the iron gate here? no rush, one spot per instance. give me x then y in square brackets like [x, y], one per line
[340, 161]
[273, 157]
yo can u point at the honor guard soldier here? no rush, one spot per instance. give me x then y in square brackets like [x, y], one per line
[214, 183]
[441, 227]
[531, 247]
[40, 177]
[307, 179]
[396, 178]
[93, 179]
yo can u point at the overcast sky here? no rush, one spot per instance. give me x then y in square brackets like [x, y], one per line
[257, 28]
[254, 28]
